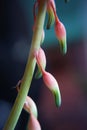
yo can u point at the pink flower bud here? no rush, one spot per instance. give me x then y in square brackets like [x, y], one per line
[33, 123]
[40, 58]
[52, 84]
[41, 62]
[61, 35]
[30, 106]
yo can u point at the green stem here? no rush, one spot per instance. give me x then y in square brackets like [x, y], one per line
[29, 70]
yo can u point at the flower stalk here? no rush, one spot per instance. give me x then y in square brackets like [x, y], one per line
[37, 55]
[29, 70]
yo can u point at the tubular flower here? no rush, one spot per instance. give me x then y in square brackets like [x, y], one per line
[60, 32]
[41, 61]
[41, 58]
[48, 79]
[33, 123]
[53, 18]
[61, 35]
[59, 27]
[30, 106]
[52, 84]
[50, 11]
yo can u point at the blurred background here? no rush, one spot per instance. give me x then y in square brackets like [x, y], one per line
[70, 70]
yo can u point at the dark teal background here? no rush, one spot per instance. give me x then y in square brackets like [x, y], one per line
[72, 14]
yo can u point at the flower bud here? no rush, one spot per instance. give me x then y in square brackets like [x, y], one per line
[52, 84]
[41, 61]
[51, 18]
[61, 35]
[50, 10]
[30, 106]
[33, 123]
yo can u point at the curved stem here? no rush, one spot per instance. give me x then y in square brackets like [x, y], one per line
[29, 70]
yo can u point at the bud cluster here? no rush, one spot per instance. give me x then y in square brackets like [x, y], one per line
[37, 57]
[40, 58]
[48, 78]
[31, 108]
[53, 19]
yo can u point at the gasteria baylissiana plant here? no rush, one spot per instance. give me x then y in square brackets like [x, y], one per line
[37, 56]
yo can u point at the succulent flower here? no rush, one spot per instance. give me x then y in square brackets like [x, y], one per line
[41, 61]
[50, 10]
[59, 27]
[30, 106]
[52, 84]
[49, 80]
[61, 35]
[39, 11]
[41, 58]
[33, 123]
